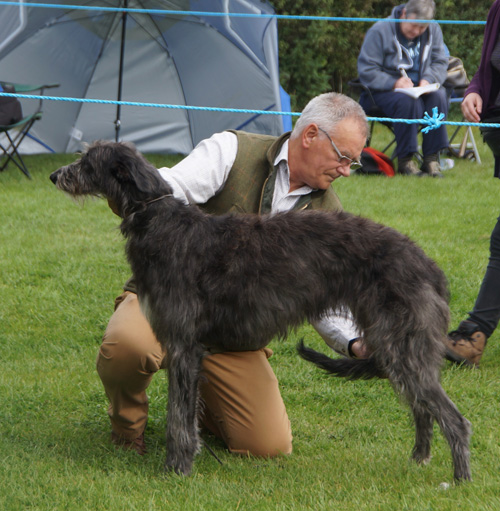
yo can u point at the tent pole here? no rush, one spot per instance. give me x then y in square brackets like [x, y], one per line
[120, 73]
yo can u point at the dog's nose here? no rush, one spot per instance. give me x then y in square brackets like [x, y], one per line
[53, 176]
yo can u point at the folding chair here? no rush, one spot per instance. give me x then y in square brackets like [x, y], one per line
[466, 148]
[16, 131]
[375, 111]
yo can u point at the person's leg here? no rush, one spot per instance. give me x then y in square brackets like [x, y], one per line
[486, 312]
[435, 140]
[127, 359]
[243, 404]
[466, 344]
[401, 106]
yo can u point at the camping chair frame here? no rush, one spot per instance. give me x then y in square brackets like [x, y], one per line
[16, 132]
[466, 148]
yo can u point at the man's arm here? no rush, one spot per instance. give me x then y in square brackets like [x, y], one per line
[340, 333]
[204, 171]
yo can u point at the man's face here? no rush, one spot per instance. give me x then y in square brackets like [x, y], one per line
[411, 30]
[323, 162]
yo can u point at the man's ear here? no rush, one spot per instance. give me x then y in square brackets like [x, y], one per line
[309, 134]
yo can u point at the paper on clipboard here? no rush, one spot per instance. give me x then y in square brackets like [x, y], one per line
[416, 92]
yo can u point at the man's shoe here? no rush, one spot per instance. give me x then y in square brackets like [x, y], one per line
[466, 344]
[408, 167]
[138, 445]
[431, 166]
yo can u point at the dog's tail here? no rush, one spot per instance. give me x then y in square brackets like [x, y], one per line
[353, 369]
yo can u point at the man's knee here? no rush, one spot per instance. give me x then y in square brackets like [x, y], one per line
[266, 442]
[243, 404]
[126, 357]
[128, 345]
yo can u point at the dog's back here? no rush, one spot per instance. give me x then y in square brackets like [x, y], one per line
[298, 263]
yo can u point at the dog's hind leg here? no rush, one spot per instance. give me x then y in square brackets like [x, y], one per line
[183, 442]
[456, 429]
[430, 401]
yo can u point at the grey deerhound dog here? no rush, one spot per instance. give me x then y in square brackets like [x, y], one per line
[230, 283]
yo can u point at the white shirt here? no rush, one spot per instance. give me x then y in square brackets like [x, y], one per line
[204, 172]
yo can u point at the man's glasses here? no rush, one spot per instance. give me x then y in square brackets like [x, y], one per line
[344, 161]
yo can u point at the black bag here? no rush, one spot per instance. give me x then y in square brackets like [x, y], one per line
[457, 77]
[375, 163]
[10, 108]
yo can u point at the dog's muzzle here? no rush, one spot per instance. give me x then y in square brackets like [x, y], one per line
[54, 176]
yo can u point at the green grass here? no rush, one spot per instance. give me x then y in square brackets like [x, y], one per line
[61, 266]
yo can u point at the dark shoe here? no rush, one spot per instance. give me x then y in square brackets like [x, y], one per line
[408, 167]
[138, 445]
[431, 166]
[466, 344]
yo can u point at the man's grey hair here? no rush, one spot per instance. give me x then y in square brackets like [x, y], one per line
[421, 9]
[328, 110]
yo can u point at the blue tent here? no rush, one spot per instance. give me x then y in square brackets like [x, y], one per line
[157, 57]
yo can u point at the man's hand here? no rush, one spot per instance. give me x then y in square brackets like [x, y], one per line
[423, 83]
[358, 349]
[472, 107]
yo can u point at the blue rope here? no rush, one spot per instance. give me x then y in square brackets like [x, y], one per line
[433, 122]
[136, 103]
[233, 14]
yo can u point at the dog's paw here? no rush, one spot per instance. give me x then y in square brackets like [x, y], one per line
[182, 468]
[422, 459]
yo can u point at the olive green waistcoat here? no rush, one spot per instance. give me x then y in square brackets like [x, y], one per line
[250, 185]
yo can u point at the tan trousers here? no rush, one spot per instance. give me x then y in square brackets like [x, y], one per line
[243, 404]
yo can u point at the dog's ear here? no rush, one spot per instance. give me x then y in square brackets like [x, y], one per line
[129, 167]
[121, 171]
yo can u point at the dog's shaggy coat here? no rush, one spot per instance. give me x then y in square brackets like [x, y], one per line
[232, 283]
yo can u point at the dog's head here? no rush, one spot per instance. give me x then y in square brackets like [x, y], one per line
[114, 170]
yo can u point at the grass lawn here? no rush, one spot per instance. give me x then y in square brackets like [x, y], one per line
[62, 265]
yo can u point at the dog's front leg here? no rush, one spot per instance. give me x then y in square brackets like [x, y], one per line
[184, 366]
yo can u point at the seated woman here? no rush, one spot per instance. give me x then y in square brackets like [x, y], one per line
[403, 54]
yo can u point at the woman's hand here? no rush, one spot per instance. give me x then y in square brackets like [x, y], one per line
[472, 107]
[403, 83]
